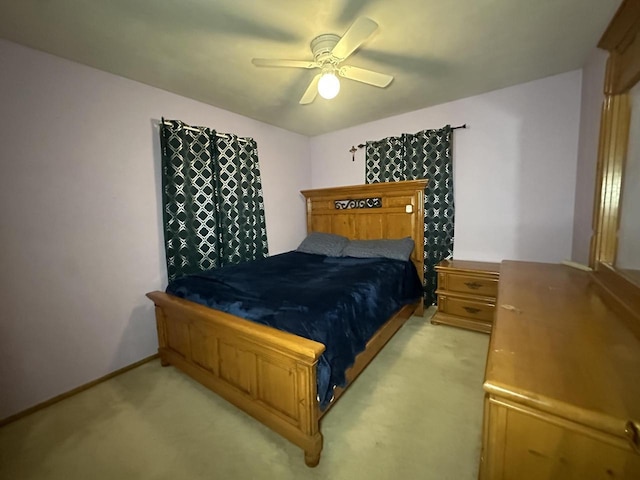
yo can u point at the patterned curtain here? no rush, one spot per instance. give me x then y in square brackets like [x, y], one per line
[426, 154]
[212, 199]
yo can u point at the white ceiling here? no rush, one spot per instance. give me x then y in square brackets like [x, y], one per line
[438, 50]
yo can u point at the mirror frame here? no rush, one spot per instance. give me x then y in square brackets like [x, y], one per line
[622, 41]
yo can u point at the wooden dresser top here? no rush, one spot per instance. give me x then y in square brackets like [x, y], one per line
[556, 346]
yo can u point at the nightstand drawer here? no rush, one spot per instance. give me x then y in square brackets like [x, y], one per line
[463, 307]
[485, 287]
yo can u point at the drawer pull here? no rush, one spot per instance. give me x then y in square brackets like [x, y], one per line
[473, 285]
[472, 310]
[631, 431]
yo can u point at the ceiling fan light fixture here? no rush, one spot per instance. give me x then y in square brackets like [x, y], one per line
[328, 85]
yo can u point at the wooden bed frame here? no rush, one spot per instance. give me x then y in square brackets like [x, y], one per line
[270, 374]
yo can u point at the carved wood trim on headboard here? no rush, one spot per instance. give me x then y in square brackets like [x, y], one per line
[377, 210]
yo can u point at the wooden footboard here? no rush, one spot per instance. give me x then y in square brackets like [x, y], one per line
[269, 374]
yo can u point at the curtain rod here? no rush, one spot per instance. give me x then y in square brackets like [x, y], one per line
[354, 149]
[196, 129]
[362, 145]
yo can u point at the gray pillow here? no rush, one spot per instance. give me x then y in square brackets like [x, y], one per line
[399, 249]
[323, 244]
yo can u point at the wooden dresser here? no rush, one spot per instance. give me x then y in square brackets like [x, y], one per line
[466, 294]
[562, 383]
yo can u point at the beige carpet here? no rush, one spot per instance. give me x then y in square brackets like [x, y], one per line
[415, 413]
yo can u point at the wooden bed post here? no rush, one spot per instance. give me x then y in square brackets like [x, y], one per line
[162, 336]
[312, 456]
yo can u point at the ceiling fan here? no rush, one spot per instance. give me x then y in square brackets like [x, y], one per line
[329, 51]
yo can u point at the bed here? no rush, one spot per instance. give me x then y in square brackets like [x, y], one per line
[273, 375]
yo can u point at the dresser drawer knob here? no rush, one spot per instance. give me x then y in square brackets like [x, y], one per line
[473, 285]
[472, 310]
[631, 431]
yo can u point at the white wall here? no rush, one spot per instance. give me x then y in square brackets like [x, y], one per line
[591, 104]
[514, 166]
[81, 233]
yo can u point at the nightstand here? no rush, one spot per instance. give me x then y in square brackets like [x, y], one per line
[467, 294]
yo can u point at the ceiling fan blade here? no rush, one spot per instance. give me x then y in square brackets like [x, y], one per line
[365, 76]
[357, 34]
[311, 92]
[275, 62]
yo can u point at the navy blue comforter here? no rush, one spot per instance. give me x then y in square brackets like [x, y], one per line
[338, 301]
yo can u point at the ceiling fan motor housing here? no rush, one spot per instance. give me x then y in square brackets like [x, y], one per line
[322, 45]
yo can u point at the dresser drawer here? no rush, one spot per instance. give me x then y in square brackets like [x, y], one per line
[463, 307]
[464, 283]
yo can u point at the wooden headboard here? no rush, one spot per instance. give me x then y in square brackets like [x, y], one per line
[367, 212]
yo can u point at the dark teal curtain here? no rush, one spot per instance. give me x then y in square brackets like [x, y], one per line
[425, 154]
[213, 208]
